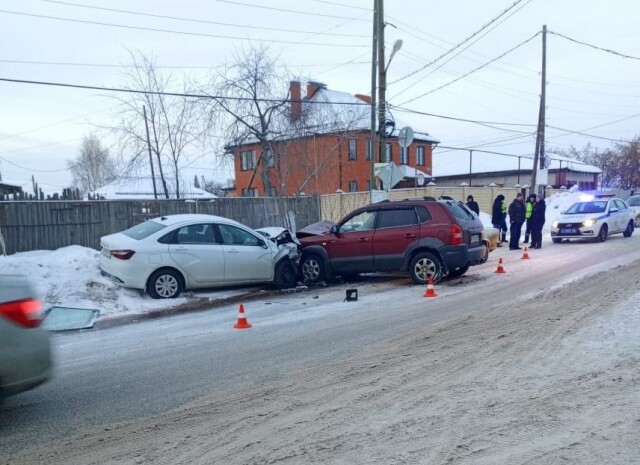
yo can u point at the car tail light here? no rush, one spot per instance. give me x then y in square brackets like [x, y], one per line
[122, 254]
[24, 312]
[457, 237]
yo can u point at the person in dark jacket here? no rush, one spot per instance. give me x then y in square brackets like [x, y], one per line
[527, 214]
[499, 217]
[537, 222]
[473, 205]
[516, 217]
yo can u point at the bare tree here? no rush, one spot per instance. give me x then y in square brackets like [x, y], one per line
[629, 164]
[174, 122]
[247, 99]
[93, 167]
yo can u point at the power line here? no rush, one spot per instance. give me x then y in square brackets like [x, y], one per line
[474, 70]
[424, 113]
[168, 94]
[464, 49]
[285, 10]
[171, 31]
[459, 44]
[193, 20]
[341, 5]
[613, 52]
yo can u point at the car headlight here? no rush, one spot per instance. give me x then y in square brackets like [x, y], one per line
[589, 223]
[555, 224]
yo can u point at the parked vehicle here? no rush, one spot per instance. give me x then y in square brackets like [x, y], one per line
[429, 239]
[634, 204]
[169, 254]
[596, 219]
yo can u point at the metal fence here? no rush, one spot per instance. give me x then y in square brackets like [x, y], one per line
[26, 226]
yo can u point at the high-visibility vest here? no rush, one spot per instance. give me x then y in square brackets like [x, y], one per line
[504, 207]
[528, 210]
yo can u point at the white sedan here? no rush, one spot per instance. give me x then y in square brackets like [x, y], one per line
[168, 254]
[596, 219]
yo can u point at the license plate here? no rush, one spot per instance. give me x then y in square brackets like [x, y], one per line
[106, 252]
[569, 231]
[475, 239]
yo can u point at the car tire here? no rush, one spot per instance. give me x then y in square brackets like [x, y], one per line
[629, 231]
[312, 269]
[458, 272]
[425, 265]
[285, 275]
[602, 234]
[556, 241]
[165, 284]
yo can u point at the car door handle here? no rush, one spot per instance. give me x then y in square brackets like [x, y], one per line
[181, 249]
[409, 235]
[232, 251]
[363, 239]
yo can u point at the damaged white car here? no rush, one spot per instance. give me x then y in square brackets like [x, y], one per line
[169, 254]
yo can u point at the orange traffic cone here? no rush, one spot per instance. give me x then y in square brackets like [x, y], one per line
[431, 292]
[500, 267]
[242, 319]
[525, 256]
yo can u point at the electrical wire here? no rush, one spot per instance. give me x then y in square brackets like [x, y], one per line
[473, 70]
[193, 20]
[185, 33]
[459, 44]
[613, 52]
[285, 10]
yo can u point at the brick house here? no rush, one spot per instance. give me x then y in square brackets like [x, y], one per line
[322, 145]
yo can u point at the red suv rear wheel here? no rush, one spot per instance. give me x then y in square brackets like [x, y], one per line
[425, 265]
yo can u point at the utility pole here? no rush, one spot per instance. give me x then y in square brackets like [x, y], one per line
[538, 156]
[382, 80]
[372, 142]
[153, 176]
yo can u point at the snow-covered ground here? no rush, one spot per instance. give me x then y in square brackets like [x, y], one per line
[70, 276]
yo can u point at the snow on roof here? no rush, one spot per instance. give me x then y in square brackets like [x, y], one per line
[456, 163]
[142, 188]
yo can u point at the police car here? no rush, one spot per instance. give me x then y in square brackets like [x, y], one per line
[596, 219]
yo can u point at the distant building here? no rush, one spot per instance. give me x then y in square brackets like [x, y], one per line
[7, 189]
[136, 188]
[483, 169]
[322, 146]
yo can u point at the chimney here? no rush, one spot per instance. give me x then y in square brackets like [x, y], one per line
[313, 86]
[364, 98]
[296, 102]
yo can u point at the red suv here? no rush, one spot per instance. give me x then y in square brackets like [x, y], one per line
[430, 239]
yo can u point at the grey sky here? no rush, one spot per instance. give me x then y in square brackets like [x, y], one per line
[41, 127]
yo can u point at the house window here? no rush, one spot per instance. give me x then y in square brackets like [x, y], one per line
[353, 186]
[368, 150]
[368, 184]
[252, 192]
[388, 154]
[353, 149]
[420, 156]
[247, 160]
[404, 155]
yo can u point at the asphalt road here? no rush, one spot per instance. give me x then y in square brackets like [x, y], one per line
[138, 370]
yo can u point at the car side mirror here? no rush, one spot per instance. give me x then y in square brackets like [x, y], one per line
[264, 244]
[334, 230]
[69, 319]
[613, 209]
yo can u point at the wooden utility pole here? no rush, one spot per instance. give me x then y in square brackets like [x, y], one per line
[153, 176]
[538, 157]
[374, 53]
[382, 80]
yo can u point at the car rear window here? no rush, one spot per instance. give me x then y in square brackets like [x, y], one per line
[459, 211]
[633, 201]
[423, 214]
[143, 230]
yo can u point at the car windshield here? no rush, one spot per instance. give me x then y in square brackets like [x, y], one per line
[588, 207]
[143, 230]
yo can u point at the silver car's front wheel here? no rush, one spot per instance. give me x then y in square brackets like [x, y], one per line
[165, 284]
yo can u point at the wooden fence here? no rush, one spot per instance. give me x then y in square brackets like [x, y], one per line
[26, 226]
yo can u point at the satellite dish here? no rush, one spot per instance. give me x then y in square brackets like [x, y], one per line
[405, 137]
